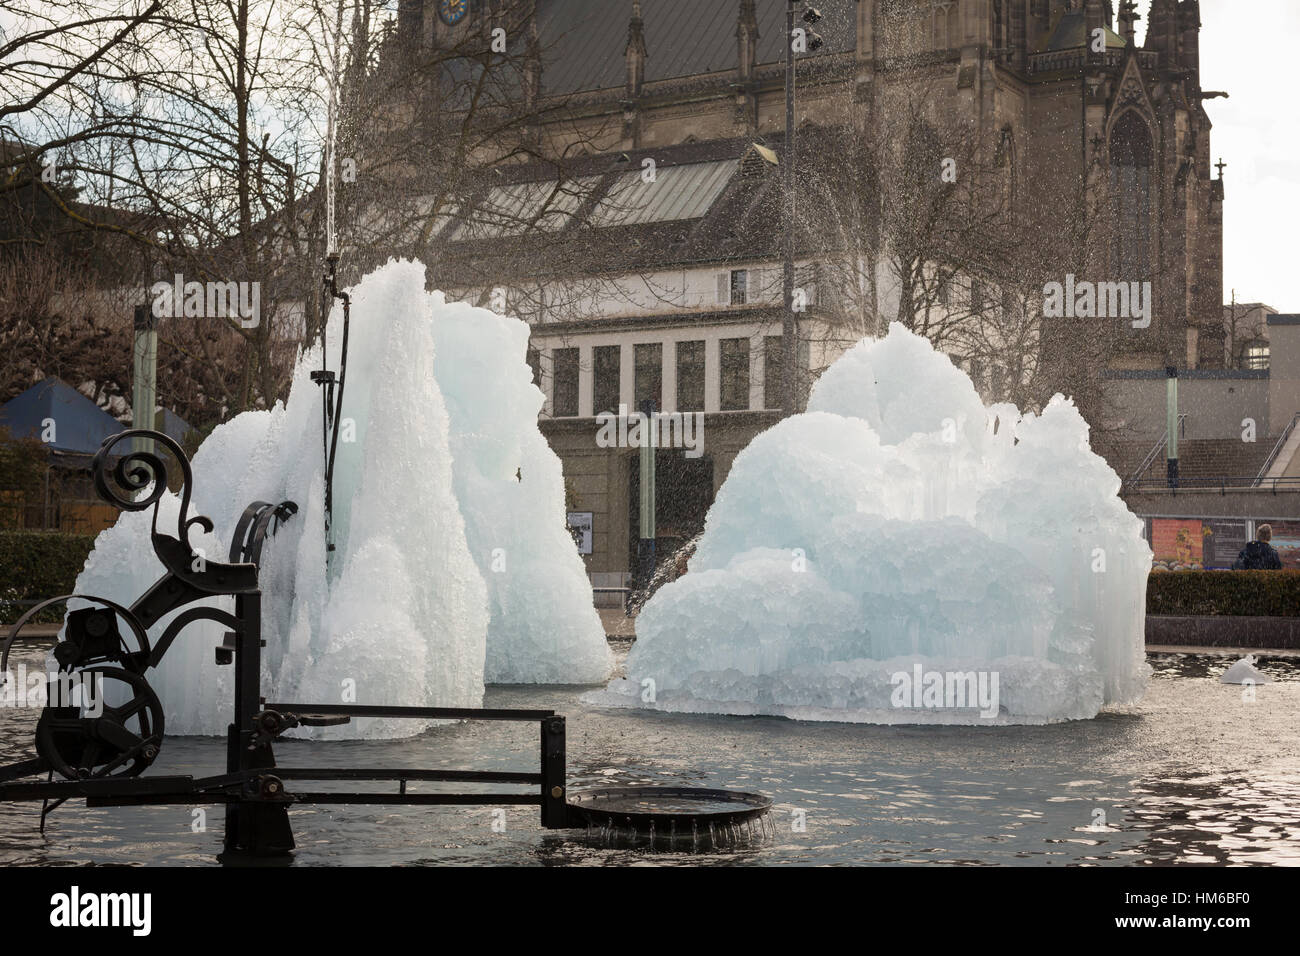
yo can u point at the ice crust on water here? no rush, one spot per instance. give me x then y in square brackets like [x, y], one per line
[900, 522]
[413, 612]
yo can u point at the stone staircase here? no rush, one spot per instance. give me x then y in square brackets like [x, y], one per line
[1200, 458]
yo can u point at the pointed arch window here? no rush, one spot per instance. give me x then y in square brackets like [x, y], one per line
[1131, 168]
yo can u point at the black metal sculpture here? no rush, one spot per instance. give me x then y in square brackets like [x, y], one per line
[102, 757]
[102, 752]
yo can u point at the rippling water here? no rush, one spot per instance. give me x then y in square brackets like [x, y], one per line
[1195, 774]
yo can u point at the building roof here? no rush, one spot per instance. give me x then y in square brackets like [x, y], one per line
[1070, 33]
[710, 202]
[80, 426]
[677, 192]
[171, 425]
[584, 41]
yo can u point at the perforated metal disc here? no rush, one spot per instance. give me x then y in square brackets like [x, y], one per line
[642, 806]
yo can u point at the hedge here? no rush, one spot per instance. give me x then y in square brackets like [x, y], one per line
[39, 564]
[42, 564]
[1263, 593]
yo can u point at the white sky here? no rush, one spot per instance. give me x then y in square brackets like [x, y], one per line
[1251, 49]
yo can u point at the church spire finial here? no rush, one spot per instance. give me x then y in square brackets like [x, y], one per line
[747, 39]
[1128, 18]
[635, 52]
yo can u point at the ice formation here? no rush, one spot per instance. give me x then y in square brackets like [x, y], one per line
[1244, 671]
[453, 563]
[894, 549]
[544, 628]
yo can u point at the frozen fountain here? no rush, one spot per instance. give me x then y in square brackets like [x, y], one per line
[451, 565]
[903, 554]
[376, 598]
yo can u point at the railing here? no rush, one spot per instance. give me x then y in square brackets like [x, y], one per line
[1222, 483]
[1055, 61]
[1277, 449]
[1136, 477]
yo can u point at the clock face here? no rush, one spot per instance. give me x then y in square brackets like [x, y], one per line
[452, 11]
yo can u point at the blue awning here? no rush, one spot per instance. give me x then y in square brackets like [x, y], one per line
[79, 426]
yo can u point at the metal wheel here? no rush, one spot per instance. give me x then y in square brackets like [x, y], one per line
[120, 741]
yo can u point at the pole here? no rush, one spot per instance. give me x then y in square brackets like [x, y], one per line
[789, 329]
[1232, 342]
[1171, 425]
[646, 544]
[144, 390]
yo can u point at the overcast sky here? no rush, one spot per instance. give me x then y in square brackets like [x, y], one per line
[1251, 49]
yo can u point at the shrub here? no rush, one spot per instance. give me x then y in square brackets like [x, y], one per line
[35, 565]
[1263, 593]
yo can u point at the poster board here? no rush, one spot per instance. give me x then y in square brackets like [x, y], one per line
[1177, 543]
[1222, 542]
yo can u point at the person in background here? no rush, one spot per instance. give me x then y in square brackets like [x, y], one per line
[1259, 555]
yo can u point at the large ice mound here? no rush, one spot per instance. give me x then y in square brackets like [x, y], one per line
[453, 563]
[899, 551]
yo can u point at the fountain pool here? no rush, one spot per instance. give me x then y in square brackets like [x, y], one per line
[1193, 774]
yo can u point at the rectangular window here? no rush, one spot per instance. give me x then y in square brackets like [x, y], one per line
[565, 367]
[1256, 356]
[648, 382]
[605, 388]
[690, 376]
[735, 374]
[739, 286]
[808, 279]
[976, 296]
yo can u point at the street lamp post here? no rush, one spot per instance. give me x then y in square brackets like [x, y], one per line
[144, 374]
[789, 328]
[789, 325]
[1171, 424]
[646, 545]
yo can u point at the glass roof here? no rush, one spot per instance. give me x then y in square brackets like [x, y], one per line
[677, 192]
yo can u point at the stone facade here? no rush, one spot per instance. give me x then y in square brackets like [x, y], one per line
[1083, 118]
[1062, 85]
